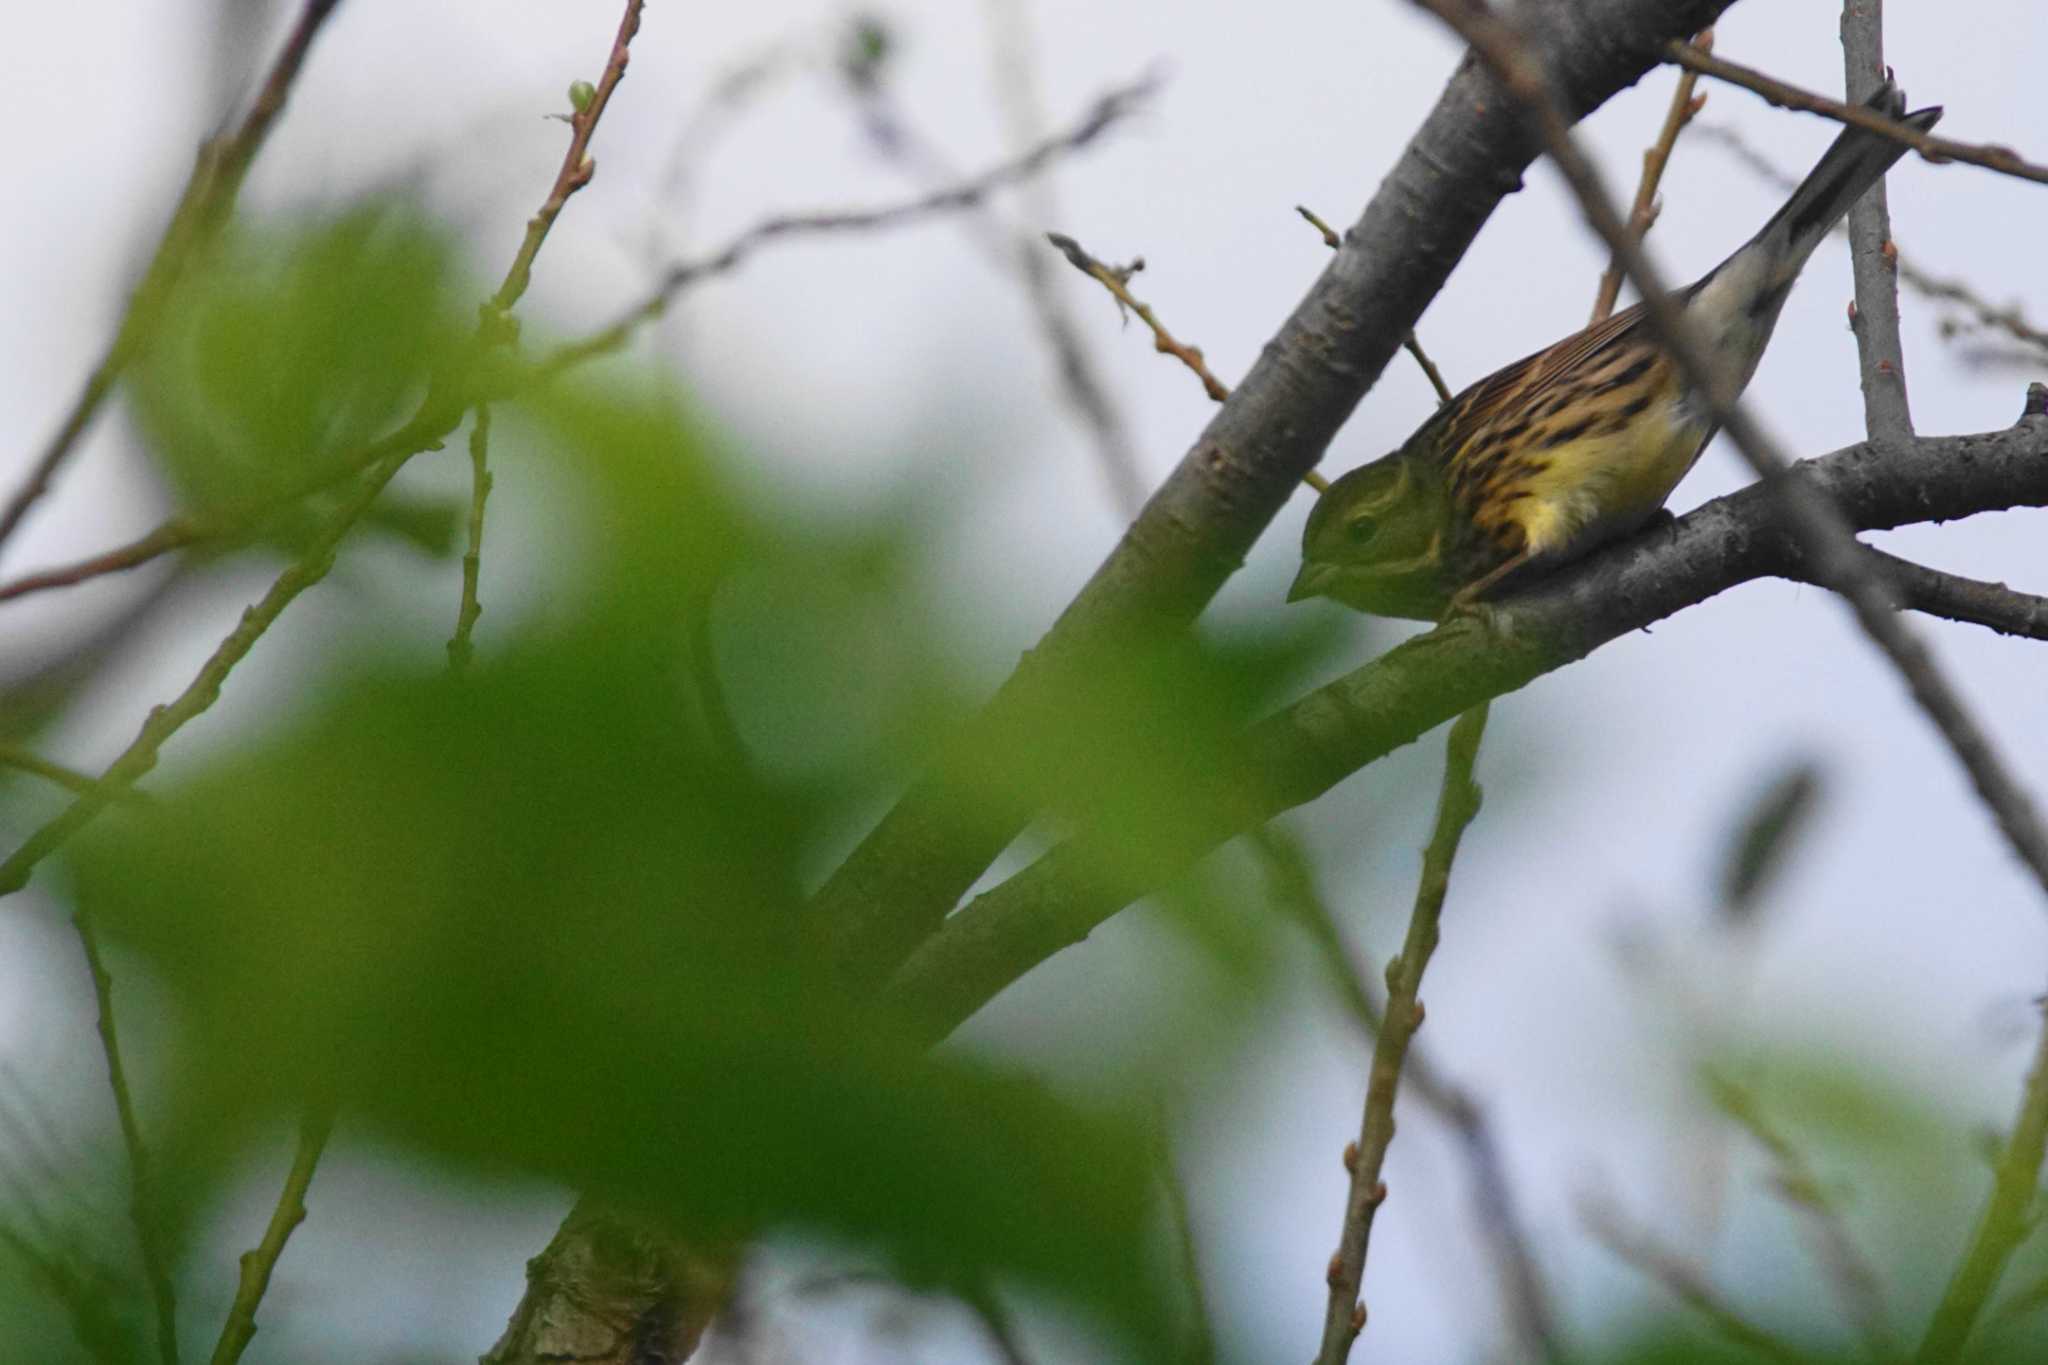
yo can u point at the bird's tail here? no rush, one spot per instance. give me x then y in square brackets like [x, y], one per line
[1856, 161]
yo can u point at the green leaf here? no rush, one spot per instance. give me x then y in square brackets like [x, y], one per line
[292, 346]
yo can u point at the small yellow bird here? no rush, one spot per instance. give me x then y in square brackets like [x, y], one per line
[1580, 443]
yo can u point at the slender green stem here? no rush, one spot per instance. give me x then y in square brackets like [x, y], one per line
[460, 650]
[2004, 1224]
[261, 1260]
[204, 689]
[143, 1210]
[1344, 1317]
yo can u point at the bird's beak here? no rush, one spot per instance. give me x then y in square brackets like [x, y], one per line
[1310, 582]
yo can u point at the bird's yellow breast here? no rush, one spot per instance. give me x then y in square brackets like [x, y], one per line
[1603, 486]
[1600, 471]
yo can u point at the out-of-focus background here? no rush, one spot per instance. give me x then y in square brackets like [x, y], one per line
[1585, 973]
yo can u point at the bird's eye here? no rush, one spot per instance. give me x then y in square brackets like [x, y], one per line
[1361, 530]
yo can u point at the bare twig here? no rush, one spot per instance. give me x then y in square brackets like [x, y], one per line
[1493, 1199]
[1887, 414]
[577, 165]
[1108, 110]
[1643, 212]
[205, 203]
[188, 530]
[459, 647]
[258, 1262]
[1825, 535]
[1344, 1316]
[1936, 149]
[1855, 1279]
[144, 1209]
[1638, 1248]
[1116, 279]
[1409, 343]
[1015, 251]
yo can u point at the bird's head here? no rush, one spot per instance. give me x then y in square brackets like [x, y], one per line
[1376, 540]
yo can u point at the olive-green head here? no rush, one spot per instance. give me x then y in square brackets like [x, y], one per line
[1375, 541]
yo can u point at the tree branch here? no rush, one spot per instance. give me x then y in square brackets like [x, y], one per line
[1970, 600]
[1887, 415]
[898, 885]
[2004, 160]
[1642, 213]
[1295, 756]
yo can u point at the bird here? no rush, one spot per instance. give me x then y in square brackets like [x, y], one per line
[1580, 444]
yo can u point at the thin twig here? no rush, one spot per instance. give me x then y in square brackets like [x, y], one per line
[1639, 1249]
[577, 164]
[1969, 600]
[1881, 358]
[1116, 279]
[1643, 212]
[228, 524]
[2008, 319]
[1409, 342]
[1820, 528]
[460, 649]
[205, 203]
[144, 1209]
[184, 531]
[1493, 1199]
[2007, 1218]
[1344, 1316]
[1016, 253]
[1855, 1279]
[71, 779]
[258, 1262]
[164, 721]
[1108, 110]
[2004, 160]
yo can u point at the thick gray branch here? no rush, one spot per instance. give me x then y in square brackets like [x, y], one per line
[1295, 756]
[899, 884]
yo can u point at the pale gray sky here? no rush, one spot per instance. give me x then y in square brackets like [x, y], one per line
[1904, 925]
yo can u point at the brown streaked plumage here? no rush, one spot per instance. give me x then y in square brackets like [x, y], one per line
[1578, 444]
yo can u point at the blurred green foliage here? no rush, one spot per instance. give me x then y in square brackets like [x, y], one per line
[293, 345]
